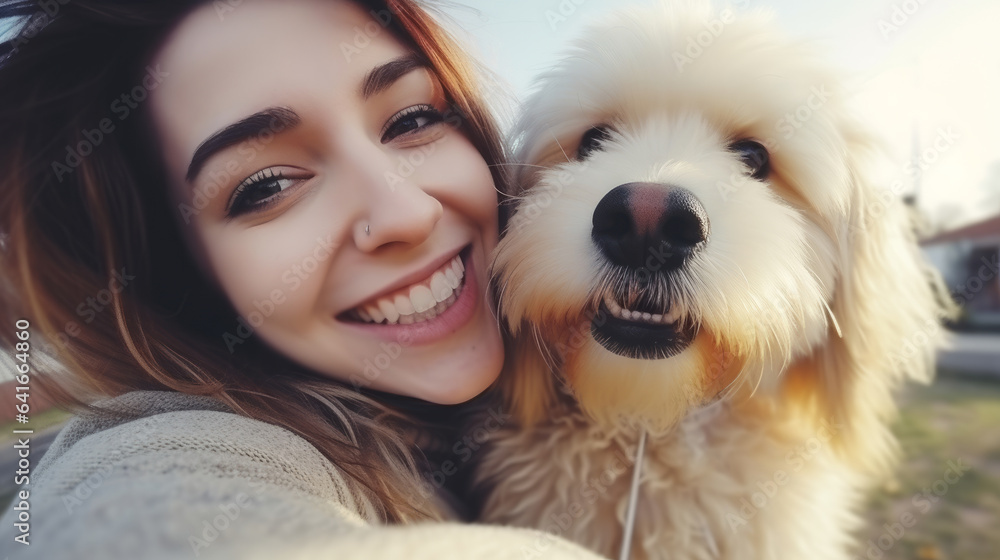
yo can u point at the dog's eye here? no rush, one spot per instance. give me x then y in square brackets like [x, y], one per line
[754, 155]
[591, 141]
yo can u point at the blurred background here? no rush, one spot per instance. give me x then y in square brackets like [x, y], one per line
[927, 76]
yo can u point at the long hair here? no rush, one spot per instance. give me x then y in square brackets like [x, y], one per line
[115, 301]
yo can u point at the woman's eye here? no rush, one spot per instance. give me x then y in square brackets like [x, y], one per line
[410, 120]
[258, 191]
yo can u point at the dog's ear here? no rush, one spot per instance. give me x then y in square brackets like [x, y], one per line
[527, 383]
[888, 304]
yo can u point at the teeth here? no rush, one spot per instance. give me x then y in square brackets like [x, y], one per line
[374, 313]
[452, 278]
[422, 302]
[629, 315]
[421, 298]
[404, 305]
[441, 288]
[389, 310]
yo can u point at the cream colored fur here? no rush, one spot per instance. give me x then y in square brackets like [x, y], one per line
[812, 299]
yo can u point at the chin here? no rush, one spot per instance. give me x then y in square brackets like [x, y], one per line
[698, 250]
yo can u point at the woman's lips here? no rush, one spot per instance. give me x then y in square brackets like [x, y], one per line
[435, 323]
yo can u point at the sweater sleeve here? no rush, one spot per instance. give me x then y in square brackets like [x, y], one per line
[212, 484]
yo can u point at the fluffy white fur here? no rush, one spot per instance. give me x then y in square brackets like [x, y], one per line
[812, 300]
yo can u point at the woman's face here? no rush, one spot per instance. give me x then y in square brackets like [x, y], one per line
[321, 180]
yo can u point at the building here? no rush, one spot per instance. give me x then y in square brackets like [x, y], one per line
[968, 259]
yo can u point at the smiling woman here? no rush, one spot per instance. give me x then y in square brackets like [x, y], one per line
[306, 218]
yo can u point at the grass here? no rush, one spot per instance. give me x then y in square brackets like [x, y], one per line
[954, 420]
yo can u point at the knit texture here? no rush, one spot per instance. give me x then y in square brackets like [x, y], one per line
[168, 475]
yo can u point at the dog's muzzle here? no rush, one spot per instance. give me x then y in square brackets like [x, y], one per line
[646, 231]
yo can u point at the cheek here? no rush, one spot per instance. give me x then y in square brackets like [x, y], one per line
[464, 182]
[272, 271]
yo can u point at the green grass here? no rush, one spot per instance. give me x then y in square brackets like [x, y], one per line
[955, 419]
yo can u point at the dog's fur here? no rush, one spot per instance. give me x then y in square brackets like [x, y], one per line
[811, 301]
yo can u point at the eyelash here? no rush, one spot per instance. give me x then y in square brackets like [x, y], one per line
[238, 203]
[409, 113]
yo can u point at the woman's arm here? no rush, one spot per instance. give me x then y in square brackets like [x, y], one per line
[212, 484]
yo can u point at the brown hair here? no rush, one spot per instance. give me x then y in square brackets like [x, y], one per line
[83, 212]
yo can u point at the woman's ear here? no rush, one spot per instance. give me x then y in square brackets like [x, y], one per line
[888, 304]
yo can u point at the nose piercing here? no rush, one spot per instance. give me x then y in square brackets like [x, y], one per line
[368, 229]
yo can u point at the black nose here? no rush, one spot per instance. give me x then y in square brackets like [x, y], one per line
[650, 226]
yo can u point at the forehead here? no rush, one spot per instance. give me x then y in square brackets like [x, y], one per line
[221, 67]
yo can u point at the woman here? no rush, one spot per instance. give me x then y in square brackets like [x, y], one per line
[262, 228]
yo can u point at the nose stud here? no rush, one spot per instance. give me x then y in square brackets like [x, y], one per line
[368, 229]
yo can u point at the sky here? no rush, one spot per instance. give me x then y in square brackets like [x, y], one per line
[933, 75]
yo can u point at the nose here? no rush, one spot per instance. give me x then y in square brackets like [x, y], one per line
[398, 211]
[650, 225]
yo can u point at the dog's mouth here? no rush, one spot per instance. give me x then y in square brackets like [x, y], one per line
[643, 330]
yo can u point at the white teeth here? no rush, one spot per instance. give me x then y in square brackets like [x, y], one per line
[389, 310]
[422, 298]
[422, 302]
[404, 305]
[440, 287]
[452, 278]
[374, 313]
[629, 315]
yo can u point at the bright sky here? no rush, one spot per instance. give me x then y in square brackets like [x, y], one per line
[940, 68]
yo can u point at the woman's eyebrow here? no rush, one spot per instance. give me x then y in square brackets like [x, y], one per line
[271, 120]
[384, 75]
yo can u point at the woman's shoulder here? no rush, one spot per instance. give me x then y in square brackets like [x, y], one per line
[162, 433]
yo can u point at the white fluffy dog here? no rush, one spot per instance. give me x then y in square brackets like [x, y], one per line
[698, 250]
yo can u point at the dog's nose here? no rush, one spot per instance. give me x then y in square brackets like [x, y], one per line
[650, 226]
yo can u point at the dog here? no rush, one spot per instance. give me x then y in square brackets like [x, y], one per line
[699, 249]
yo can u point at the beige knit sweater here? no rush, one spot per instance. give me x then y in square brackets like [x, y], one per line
[188, 479]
